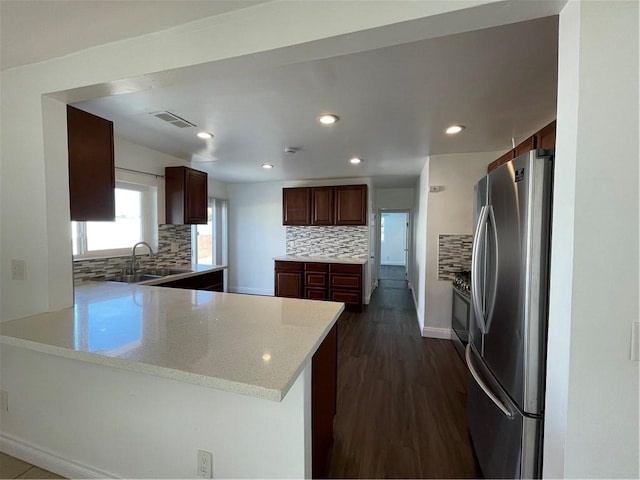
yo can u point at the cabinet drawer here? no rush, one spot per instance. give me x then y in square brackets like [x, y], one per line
[315, 279]
[343, 280]
[345, 268]
[316, 293]
[289, 266]
[316, 267]
[350, 297]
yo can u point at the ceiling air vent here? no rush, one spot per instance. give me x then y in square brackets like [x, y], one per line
[173, 119]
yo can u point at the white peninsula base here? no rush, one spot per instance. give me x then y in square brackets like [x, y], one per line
[84, 420]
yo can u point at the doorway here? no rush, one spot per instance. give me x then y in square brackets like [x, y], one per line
[394, 245]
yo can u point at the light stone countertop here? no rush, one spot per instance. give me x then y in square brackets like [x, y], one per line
[247, 344]
[325, 259]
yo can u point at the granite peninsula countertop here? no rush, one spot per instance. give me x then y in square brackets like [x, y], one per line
[323, 259]
[247, 344]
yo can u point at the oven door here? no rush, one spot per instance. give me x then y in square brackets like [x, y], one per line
[460, 311]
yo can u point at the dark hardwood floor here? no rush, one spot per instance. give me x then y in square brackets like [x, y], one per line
[401, 397]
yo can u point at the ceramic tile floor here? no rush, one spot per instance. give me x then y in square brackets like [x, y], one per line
[11, 467]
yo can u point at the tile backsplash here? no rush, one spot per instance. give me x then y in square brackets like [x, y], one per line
[339, 241]
[454, 255]
[178, 235]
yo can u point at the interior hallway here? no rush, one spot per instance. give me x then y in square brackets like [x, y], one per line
[401, 397]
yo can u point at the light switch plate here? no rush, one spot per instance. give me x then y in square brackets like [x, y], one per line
[18, 269]
[635, 342]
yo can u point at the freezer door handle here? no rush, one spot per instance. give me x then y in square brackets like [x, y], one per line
[494, 288]
[483, 385]
[475, 268]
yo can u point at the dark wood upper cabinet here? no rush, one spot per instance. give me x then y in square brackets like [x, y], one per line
[322, 211]
[524, 147]
[546, 138]
[296, 206]
[186, 198]
[332, 205]
[351, 204]
[543, 138]
[91, 166]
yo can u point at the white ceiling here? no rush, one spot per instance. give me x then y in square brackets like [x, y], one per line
[36, 30]
[393, 104]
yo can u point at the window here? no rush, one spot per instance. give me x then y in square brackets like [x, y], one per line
[135, 220]
[209, 242]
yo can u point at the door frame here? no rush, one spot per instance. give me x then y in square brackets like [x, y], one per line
[409, 256]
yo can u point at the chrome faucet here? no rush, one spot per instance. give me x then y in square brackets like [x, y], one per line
[133, 255]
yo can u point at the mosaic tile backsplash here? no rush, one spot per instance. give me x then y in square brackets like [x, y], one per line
[328, 241]
[454, 255]
[100, 268]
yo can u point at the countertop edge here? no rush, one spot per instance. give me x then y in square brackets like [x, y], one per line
[155, 370]
[308, 259]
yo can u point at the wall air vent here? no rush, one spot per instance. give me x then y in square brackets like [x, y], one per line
[173, 119]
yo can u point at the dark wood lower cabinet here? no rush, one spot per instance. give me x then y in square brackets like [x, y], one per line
[324, 375]
[211, 281]
[336, 282]
[289, 279]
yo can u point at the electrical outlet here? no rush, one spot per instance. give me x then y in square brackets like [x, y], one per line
[174, 247]
[18, 269]
[4, 401]
[205, 461]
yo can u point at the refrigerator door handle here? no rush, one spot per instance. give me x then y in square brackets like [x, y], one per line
[475, 268]
[494, 289]
[483, 385]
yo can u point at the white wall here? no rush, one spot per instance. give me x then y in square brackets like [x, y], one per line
[395, 239]
[450, 211]
[394, 198]
[84, 420]
[592, 424]
[256, 233]
[417, 272]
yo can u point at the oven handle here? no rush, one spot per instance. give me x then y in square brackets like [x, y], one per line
[482, 385]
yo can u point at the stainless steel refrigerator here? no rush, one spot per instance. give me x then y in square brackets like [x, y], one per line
[506, 354]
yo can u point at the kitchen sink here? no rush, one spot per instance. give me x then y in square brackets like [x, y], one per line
[133, 278]
[145, 275]
[163, 272]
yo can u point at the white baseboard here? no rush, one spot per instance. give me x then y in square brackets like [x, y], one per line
[48, 460]
[437, 332]
[251, 291]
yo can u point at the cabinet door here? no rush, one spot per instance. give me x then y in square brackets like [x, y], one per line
[288, 284]
[289, 279]
[196, 201]
[91, 166]
[322, 210]
[185, 195]
[524, 147]
[296, 206]
[546, 138]
[351, 205]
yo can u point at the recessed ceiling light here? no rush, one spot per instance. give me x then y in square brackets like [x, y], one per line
[205, 135]
[328, 119]
[454, 129]
[267, 166]
[355, 160]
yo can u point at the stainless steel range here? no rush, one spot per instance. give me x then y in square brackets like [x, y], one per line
[461, 310]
